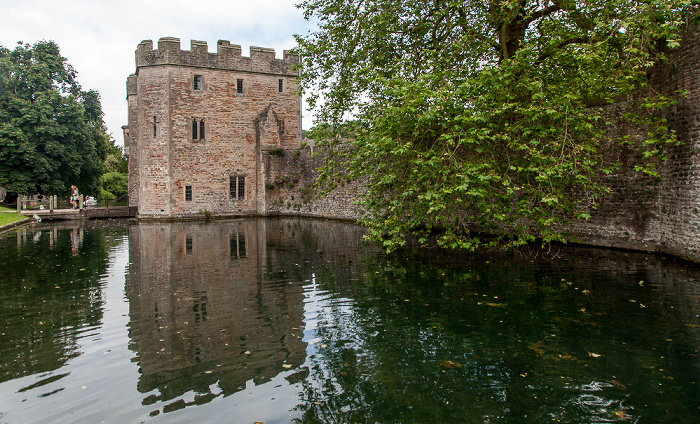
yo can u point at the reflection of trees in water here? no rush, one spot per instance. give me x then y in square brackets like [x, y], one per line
[433, 338]
[50, 290]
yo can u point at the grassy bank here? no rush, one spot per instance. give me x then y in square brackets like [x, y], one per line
[9, 215]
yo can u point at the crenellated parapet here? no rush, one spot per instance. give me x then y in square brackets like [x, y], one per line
[227, 56]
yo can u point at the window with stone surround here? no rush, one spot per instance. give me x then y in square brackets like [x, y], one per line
[198, 83]
[239, 86]
[198, 129]
[236, 187]
[188, 193]
[280, 85]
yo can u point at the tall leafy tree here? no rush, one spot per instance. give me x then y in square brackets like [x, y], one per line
[482, 114]
[52, 133]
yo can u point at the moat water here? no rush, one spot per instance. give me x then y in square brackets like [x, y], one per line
[286, 320]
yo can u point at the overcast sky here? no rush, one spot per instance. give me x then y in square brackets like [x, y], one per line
[99, 37]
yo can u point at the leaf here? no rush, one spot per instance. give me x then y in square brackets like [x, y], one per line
[449, 364]
[594, 355]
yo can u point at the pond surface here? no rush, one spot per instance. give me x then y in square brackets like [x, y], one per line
[286, 320]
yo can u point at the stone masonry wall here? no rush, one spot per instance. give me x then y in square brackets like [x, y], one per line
[661, 216]
[290, 190]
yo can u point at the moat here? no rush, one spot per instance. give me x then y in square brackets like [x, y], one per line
[293, 320]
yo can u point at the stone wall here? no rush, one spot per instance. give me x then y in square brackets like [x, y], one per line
[661, 216]
[290, 188]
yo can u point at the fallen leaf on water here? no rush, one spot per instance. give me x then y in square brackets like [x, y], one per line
[286, 366]
[449, 364]
[595, 355]
[621, 414]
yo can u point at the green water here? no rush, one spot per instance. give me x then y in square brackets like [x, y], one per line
[286, 320]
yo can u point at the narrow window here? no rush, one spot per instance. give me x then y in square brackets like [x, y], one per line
[201, 129]
[280, 87]
[197, 83]
[188, 193]
[154, 126]
[194, 129]
[241, 187]
[239, 86]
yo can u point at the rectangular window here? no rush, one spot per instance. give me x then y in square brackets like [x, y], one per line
[280, 87]
[154, 126]
[236, 188]
[197, 83]
[239, 86]
[188, 193]
[197, 129]
[241, 187]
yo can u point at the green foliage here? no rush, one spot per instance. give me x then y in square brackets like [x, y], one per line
[115, 160]
[478, 114]
[114, 185]
[51, 132]
[277, 151]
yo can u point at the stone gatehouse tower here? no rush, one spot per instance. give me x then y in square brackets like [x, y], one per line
[199, 124]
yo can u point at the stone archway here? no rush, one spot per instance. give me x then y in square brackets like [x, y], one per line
[268, 135]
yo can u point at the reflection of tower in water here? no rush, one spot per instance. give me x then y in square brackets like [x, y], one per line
[203, 319]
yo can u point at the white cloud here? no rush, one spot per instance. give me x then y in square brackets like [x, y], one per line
[99, 37]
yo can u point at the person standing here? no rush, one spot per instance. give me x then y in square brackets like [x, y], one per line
[73, 196]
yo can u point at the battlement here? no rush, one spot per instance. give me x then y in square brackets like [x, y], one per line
[228, 56]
